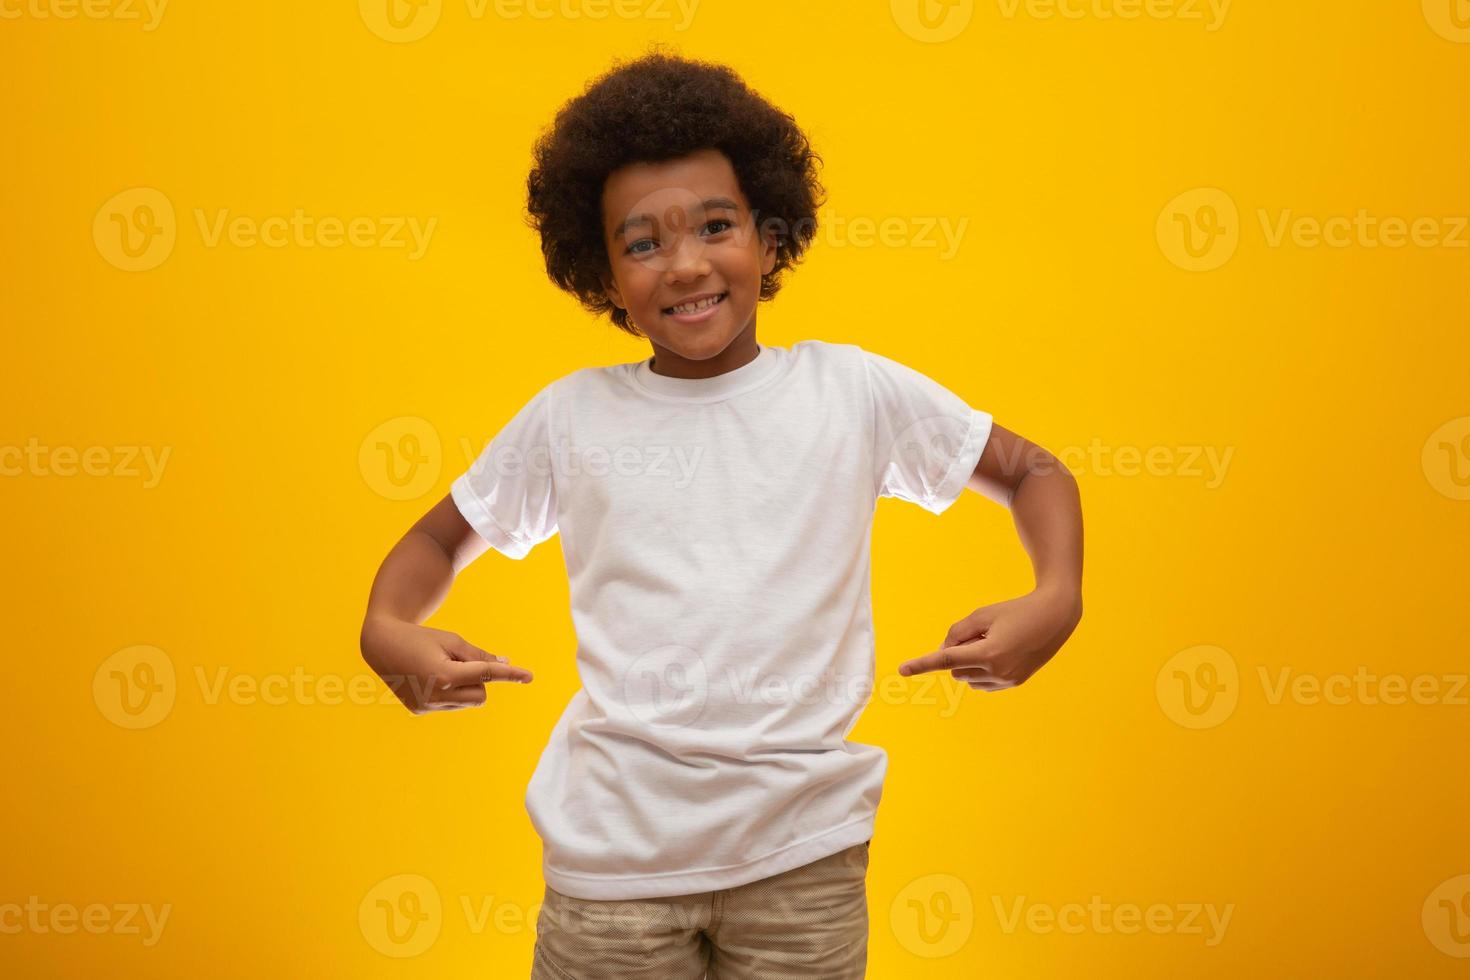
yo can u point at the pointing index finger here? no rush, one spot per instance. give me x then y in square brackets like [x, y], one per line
[945, 658]
[478, 672]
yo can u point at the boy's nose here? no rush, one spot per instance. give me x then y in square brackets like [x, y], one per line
[688, 261]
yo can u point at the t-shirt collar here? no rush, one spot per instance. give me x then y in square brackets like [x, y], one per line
[720, 386]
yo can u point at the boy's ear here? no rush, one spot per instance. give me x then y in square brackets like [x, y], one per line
[768, 252]
[610, 288]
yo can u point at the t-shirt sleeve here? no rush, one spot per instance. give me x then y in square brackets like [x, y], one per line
[508, 494]
[926, 439]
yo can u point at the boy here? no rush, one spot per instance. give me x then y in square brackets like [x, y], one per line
[699, 807]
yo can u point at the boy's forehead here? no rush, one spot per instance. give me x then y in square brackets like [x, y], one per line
[655, 187]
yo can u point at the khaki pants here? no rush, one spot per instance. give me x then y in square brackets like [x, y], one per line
[808, 922]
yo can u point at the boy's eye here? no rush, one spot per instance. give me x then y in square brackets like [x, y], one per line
[635, 250]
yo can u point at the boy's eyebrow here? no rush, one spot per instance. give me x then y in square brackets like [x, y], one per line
[708, 204]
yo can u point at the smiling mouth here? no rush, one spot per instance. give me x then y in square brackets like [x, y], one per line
[703, 304]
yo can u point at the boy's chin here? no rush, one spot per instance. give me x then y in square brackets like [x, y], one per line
[694, 344]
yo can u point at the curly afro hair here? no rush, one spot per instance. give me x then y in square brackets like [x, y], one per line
[661, 107]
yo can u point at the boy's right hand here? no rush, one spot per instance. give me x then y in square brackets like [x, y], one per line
[431, 669]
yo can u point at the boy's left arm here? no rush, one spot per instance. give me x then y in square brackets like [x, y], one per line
[1001, 645]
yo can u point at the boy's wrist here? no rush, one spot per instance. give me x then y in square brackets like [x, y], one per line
[1061, 593]
[375, 621]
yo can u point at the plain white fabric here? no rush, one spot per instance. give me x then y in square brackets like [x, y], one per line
[716, 534]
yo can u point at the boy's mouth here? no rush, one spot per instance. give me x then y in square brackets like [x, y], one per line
[698, 306]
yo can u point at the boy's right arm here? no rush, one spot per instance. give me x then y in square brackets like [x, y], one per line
[428, 669]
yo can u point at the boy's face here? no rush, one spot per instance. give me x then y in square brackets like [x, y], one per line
[678, 230]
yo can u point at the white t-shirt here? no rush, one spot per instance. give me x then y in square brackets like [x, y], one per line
[715, 533]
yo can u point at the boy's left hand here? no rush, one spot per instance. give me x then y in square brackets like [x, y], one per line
[1001, 645]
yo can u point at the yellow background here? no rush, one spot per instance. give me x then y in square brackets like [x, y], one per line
[1334, 542]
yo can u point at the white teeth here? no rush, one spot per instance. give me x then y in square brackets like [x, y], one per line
[696, 307]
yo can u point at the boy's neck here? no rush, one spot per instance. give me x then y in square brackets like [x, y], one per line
[740, 352]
